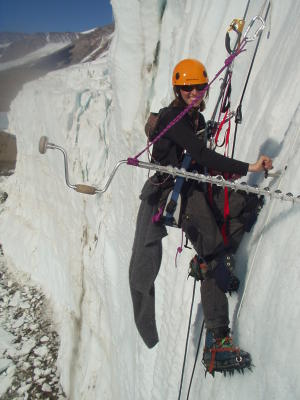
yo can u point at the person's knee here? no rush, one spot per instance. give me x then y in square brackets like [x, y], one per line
[222, 272]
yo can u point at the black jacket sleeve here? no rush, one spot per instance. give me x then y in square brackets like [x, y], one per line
[182, 134]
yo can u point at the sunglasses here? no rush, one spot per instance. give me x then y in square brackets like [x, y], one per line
[190, 88]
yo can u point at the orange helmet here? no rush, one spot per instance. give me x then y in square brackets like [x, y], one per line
[189, 72]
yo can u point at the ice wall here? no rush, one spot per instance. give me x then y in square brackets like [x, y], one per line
[77, 248]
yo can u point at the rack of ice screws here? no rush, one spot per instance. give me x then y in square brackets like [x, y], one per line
[220, 181]
[173, 171]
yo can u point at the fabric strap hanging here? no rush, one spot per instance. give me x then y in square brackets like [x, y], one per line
[172, 203]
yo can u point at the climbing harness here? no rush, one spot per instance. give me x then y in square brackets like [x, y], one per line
[168, 216]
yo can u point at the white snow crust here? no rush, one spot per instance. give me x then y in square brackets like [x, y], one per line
[77, 248]
[34, 55]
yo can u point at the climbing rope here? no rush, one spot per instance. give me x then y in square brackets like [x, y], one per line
[187, 340]
[196, 358]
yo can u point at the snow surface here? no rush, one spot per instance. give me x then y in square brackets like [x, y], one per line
[78, 247]
[34, 55]
[88, 31]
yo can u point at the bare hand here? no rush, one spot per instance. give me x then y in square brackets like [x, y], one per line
[264, 163]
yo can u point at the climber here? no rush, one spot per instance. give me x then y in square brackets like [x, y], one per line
[214, 237]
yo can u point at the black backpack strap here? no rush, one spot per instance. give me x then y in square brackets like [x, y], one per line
[152, 123]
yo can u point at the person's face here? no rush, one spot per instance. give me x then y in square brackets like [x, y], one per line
[190, 92]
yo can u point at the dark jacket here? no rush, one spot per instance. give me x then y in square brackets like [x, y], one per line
[147, 249]
[182, 136]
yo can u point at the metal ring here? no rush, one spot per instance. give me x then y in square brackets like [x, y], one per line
[239, 359]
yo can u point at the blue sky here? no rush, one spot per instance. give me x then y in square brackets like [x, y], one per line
[53, 15]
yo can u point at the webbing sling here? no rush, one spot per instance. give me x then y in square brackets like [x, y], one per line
[168, 218]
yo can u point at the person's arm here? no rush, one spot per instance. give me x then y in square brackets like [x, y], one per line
[264, 163]
[185, 138]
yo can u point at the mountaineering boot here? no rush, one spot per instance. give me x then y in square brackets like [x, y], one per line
[220, 269]
[219, 355]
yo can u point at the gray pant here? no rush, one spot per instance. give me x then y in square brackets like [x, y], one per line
[202, 223]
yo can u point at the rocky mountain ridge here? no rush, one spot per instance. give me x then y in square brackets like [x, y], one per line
[15, 45]
[17, 68]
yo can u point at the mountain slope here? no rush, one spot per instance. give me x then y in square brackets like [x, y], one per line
[28, 57]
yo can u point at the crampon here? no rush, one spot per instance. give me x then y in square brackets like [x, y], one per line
[223, 357]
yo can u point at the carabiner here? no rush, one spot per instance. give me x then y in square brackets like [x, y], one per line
[258, 31]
